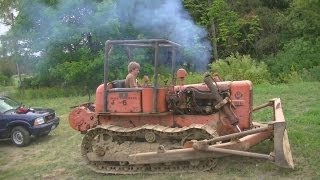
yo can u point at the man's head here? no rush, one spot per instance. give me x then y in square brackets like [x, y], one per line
[134, 68]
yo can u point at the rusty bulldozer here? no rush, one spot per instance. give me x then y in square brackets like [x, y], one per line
[176, 128]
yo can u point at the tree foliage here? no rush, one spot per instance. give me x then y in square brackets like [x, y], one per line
[235, 32]
[299, 55]
[61, 43]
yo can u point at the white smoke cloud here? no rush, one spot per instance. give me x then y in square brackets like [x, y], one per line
[157, 19]
[168, 19]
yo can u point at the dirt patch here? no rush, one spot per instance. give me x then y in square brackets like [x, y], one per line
[56, 174]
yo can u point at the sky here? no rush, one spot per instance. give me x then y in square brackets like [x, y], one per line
[3, 29]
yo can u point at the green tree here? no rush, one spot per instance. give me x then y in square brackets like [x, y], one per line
[53, 33]
[297, 55]
[300, 36]
[81, 73]
[6, 8]
[198, 10]
[235, 32]
[303, 19]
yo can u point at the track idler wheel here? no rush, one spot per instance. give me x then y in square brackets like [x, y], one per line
[150, 137]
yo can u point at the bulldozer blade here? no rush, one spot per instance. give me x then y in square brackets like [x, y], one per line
[282, 150]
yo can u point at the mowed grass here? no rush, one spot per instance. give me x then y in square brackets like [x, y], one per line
[58, 155]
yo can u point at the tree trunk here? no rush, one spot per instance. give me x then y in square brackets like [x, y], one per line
[15, 52]
[214, 40]
[212, 33]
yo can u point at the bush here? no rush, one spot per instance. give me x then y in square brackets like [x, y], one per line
[4, 80]
[49, 92]
[30, 82]
[300, 56]
[241, 67]
[295, 76]
[292, 77]
[194, 78]
[315, 73]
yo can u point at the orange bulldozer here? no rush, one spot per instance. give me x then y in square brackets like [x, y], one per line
[175, 128]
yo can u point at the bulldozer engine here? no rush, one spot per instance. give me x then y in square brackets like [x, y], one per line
[176, 128]
[191, 100]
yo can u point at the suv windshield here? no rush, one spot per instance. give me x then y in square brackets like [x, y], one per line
[7, 104]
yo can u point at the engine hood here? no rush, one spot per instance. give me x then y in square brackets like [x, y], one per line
[30, 113]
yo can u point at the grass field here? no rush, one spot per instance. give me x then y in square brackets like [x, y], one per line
[58, 155]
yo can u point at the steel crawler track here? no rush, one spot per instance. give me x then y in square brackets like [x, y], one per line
[106, 148]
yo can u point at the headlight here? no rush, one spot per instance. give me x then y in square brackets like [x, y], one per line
[38, 121]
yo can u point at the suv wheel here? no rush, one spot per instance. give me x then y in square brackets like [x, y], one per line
[20, 136]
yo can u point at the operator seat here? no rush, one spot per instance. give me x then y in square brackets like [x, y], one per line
[118, 83]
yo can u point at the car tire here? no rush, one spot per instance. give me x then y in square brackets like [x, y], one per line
[20, 136]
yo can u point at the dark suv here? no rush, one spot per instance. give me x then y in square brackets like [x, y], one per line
[20, 123]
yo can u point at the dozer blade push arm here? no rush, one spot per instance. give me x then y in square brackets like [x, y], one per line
[282, 153]
[188, 154]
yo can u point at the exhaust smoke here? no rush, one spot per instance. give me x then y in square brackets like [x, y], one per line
[165, 19]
